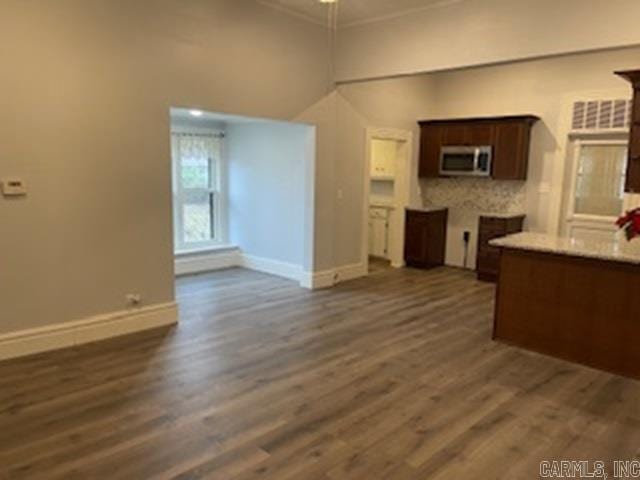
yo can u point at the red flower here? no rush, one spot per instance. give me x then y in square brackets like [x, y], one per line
[630, 222]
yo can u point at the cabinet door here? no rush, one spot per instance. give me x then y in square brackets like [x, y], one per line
[457, 134]
[415, 250]
[437, 232]
[481, 134]
[511, 151]
[430, 142]
[378, 237]
[632, 184]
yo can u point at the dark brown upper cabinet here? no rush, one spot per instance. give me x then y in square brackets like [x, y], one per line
[633, 165]
[510, 138]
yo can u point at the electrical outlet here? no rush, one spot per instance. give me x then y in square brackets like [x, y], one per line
[13, 187]
[133, 299]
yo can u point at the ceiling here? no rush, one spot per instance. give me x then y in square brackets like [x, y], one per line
[354, 11]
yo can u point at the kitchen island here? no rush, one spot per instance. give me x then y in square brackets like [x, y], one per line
[571, 298]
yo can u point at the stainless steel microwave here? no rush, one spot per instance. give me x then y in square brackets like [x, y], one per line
[466, 161]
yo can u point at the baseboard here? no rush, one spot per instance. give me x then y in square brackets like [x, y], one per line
[206, 262]
[190, 264]
[351, 272]
[329, 278]
[317, 280]
[273, 267]
[92, 329]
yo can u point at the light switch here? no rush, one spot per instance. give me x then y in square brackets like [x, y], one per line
[13, 187]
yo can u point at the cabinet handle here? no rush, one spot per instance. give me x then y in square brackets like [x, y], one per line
[635, 158]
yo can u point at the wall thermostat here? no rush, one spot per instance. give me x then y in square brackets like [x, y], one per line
[13, 187]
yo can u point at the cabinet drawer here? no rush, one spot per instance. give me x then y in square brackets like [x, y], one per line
[487, 223]
[488, 256]
[489, 250]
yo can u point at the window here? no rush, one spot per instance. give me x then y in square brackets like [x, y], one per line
[197, 194]
[600, 177]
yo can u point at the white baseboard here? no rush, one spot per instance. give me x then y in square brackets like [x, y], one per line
[329, 278]
[92, 329]
[273, 267]
[206, 262]
[211, 261]
[351, 272]
[316, 280]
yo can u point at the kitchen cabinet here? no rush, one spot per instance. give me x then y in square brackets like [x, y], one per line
[430, 143]
[378, 232]
[509, 137]
[632, 184]
[383, 168]
[384, 155]
[425, 237]
[488, 257]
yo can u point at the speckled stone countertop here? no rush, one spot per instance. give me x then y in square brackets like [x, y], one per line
[427, 209]
[619, 250]
[501, 214]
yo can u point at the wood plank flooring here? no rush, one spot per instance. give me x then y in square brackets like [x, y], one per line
[389, 377]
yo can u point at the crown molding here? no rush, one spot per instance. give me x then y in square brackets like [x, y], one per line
[399, 14]
[292, 12]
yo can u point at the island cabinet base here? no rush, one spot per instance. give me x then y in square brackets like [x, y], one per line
[578, 309]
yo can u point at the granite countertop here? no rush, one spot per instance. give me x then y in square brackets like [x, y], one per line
[427, 209]
[501, 214]
[619, 250]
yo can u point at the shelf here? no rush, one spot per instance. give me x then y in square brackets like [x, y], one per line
[382, 178]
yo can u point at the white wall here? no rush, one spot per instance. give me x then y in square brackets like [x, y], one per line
[266, 196]
[461, 33]
[86, 90]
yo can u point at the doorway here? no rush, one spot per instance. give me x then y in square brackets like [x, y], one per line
[386, 195]
[234, 178]
[595, 197]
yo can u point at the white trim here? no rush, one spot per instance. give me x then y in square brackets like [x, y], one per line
[191, 264]
[189, 129]
[273, 267]
[316, 280]
[398, 14]
[211, 261]
[331, 277]
[564, 134]
[207, 262]
[292, 12]
[400, 197]
[570, 216]
[209, 249]
[88, 330]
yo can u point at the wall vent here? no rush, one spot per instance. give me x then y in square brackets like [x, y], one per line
[601, 114]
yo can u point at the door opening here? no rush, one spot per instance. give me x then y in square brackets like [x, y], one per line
[386, 196]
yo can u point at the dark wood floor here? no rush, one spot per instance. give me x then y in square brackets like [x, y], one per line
[389, 377]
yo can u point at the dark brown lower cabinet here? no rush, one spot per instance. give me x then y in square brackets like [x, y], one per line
[425, 238]
[488, 258]
[580, 309]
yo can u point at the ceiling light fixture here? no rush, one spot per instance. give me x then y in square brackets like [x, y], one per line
[196, 113]
[327, 1]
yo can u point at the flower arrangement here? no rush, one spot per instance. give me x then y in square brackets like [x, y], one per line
[630, 222]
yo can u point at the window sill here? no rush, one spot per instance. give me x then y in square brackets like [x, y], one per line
[208, 249]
